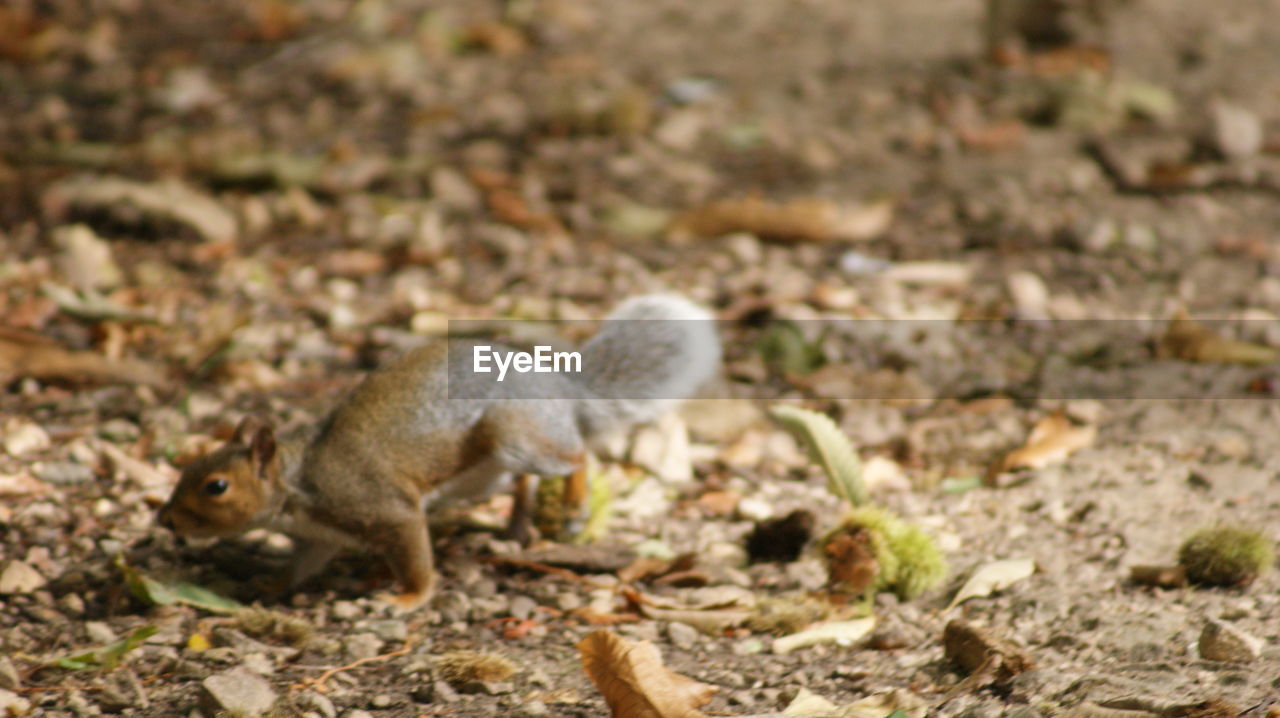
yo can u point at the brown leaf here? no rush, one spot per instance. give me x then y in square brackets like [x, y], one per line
[23, 355]
[1189, 340]
[634, 681]
[979, 651]
[1162, 576]
[994, 136]
[719, 503]
[802, 220]
[1053, 439]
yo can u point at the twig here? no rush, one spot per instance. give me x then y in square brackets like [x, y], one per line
[318, 683]
[535, 566]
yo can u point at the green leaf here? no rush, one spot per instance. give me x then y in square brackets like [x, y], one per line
[830, 448]
[960, 484]
[159, 593]
[106, 657]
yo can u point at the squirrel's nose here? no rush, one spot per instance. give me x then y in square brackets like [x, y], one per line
[162, 518]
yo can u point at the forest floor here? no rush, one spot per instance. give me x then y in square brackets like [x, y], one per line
[212, 209]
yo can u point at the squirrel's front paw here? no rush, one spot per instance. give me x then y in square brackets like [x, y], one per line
[405, 602]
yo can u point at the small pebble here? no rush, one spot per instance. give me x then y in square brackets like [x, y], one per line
[362, 645]
[346, 610]
[682, 635]
[522, 607]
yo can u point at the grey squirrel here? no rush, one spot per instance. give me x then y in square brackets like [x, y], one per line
[426, 428]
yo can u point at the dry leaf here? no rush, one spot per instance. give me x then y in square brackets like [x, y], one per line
[989, 658]
[992, 577]
[21, 357]
[712, 622]
[881, 705]
[808, 704]
[844, 633]
[1162, 576]
[802, 220]
[634, 681]
[1053, 439]
[21, 484]
[1189, 340]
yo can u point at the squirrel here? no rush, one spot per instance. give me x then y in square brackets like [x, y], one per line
[428, 428]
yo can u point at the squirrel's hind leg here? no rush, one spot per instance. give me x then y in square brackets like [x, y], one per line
[408, 550]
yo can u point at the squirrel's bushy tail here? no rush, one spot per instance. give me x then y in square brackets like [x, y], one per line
[652, 352]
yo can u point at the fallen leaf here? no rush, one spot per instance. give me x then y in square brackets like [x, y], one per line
[808, 704]
[895, 703]
[141, 472]
[994, 136]
[105, 657]
[992, 577]
[1162, 576]
[844, 633]
[955, 274]
[168, 203]
[1052, 440]
[802, 220]
[155, 592]
[21, 484]
[23, 356]
[634, 681]
[712, 622]
[1189, 340]
[987, 657]
[830, 448]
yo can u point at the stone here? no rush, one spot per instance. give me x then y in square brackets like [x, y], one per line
[12, 704]
[357, 713]
[435, 692]
[1223, 642]
[362, 645]
[86, 261]
[312, 701]
[19, 577]
[533, 709]
[345, 610]
[237, 691]
[522, 607]
[64, 473]
[22, 437]
[682, 635]
[389, 630]
[1237, 132]
[453, 606]
[99, 632]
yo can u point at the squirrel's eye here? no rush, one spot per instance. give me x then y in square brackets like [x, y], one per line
[216, 487]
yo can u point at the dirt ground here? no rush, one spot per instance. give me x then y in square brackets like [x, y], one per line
[211, 209]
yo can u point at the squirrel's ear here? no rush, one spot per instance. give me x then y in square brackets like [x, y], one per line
[263, 447]
[247, 428]
[260, 437]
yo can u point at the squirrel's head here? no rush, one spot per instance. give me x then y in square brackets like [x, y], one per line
[223, 493]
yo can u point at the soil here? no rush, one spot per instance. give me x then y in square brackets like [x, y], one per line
[391, 164]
